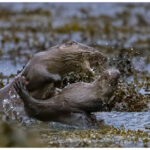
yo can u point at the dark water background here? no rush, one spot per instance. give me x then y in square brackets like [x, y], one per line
[112, 28]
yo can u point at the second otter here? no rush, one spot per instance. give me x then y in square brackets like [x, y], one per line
[76, 98]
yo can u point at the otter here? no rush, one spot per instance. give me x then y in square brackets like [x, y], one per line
[45, 71]
[77, 98]
[50, 67]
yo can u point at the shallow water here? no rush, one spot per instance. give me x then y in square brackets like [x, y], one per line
[127, 120]
[110, 27]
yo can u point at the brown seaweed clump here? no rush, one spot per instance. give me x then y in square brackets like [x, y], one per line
[128, 98]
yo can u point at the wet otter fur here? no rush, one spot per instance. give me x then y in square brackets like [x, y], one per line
[50, 67]
[46, 69]
[77, 98]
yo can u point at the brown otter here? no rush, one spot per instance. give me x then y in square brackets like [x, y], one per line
[46, 69]
[78, 97]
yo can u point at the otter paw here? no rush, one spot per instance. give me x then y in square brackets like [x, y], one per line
[20, 86]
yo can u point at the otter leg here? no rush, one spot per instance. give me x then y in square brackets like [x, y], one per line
[20, 88]
[44, 92]
[42, 83]
[46, 110]
[40, 77]
[47, 88]
[33, 107]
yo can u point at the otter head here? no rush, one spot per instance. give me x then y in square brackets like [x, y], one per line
[107, 84]
[97, 61]
[93, 62]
